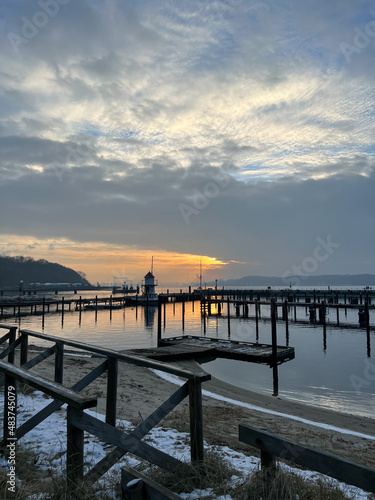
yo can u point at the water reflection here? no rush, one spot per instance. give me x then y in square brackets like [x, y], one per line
[326, 355]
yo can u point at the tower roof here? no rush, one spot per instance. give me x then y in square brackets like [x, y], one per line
[149, 275]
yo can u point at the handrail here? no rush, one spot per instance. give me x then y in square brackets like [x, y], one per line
[53, 389]
[127, 358]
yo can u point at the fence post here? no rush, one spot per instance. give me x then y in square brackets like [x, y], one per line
[74, 451]
[196, 420]
[24, 348]
[112, 373]
[59, 362]
[12, 338]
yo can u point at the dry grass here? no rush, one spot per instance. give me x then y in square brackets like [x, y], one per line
[281, 485]
[213, 473]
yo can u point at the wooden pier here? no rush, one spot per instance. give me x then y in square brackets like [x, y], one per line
[205, 348]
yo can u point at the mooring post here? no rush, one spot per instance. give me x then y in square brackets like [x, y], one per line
[228, 314]
[183, 313]
[256, 320]
[111, 404]
[159, 321]
[273, 329]
[196, 420]
[74, 450]
[367, 318]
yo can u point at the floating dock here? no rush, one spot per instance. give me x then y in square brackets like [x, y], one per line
[190, 347]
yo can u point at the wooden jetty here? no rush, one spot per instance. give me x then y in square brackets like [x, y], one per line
[205, 348]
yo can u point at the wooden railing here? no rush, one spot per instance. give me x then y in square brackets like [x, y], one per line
[272, 446]
[78, 421]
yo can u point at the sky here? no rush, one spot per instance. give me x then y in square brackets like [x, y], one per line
[236, 132]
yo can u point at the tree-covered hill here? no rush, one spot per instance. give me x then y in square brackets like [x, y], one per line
[14, 269]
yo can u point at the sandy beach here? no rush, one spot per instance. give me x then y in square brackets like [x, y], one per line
[141, 391]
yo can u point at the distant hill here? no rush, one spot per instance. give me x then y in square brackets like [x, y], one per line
[14, 269]
[310, 280]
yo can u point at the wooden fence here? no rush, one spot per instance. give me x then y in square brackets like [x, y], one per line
[78, 421]
[272, 446]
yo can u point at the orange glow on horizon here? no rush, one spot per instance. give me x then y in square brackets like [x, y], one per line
[101, 261]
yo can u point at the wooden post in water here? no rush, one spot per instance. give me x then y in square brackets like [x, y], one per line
[183, 313]
[273, 329]
[323, 319]
[228, 314]
[256, 320]
[164, 315]
[286, 321]
[367, 319]
[159, 321]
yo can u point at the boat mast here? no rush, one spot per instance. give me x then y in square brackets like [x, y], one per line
[152, 265]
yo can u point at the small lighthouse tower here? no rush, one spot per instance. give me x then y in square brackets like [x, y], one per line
[148, 286]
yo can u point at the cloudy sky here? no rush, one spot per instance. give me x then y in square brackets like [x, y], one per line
[240, 132]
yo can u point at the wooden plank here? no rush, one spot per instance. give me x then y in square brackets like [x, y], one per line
[39, 358]
[56, 405]
[139, 432]
[55, 390]
[5, 337]
[320, 461]
[10, 350]
[196, 421]
[120, 439]
[152, 490]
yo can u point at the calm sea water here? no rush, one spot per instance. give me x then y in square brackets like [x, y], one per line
[338, 373]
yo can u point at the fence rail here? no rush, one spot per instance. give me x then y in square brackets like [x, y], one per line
[78, 421]
[272, 446]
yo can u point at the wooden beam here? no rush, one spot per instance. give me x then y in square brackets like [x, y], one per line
[151, 490]
[320, 461]
[56, 405]
[39, 358]
[9, 351]
[55, 390]
[128, 443]
[139, 432]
